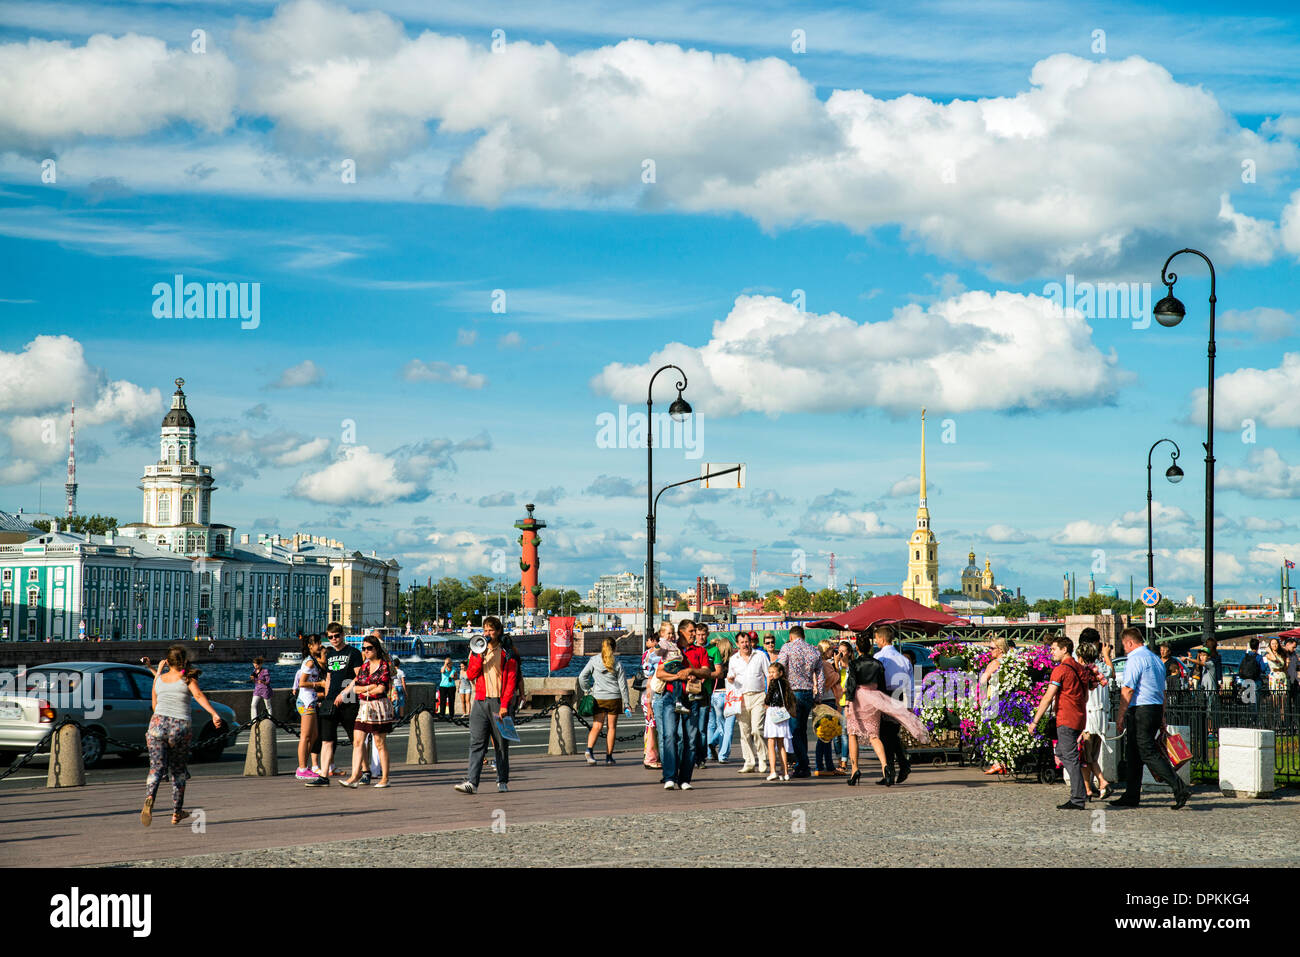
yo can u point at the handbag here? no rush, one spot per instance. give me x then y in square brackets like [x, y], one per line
[734, 702]
[1177, 749]
[587, 706]
[777, 714]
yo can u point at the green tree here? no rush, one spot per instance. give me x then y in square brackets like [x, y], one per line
[81, 524]
[828, 600]
[747, 595]
[772, 601]
[549, 600]
[798, 600]
[682, 606]
[481, 583]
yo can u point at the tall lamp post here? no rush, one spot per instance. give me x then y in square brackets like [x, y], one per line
[1175, 475]
[1169, 312]
[139, 606]
[679, 409]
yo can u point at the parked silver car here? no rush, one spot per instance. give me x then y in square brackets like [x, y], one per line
[108, 699]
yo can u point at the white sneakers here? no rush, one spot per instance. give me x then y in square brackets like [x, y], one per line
[773, 776]
[464, 788]
[670, 786]
[747, 769]
[687, 786]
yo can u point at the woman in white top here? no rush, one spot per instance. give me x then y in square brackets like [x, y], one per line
[997, 647]
[1096, 717]
[168, 737]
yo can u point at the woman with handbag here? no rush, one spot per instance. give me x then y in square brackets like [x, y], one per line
[721, 724]
[374, 710]
[825, 751]
[776, 725]
[649, 662]
[606, 682]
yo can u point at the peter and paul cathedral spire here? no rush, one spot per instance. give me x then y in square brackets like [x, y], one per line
[922, 582]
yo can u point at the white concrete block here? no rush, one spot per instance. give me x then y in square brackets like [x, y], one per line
[1247, 737]
[1246, 762]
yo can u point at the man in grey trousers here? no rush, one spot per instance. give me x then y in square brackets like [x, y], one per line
[495, 674]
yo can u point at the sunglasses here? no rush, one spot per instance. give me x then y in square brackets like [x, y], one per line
[367, 647]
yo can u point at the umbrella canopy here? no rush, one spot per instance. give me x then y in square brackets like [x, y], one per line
[1293, 633]
[890, 610]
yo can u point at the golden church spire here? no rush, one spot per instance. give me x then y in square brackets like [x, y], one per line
[922, 458]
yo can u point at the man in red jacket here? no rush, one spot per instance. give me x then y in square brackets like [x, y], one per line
[1069, 686]
[495, 674]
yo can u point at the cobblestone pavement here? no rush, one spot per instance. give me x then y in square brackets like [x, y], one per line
[1006, 826]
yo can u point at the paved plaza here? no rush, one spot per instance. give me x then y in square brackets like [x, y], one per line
[560, 812]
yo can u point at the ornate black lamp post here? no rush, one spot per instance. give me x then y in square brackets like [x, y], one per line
[1175, 475]
[1169, 311]
[678, 410]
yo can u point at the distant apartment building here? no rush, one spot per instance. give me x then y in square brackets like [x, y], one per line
[626, 590]
[362, 588]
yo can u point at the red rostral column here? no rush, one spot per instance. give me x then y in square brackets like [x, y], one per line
[529, 540]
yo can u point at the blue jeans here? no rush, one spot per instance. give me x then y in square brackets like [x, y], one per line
[720, 725]
[803, 705]
[677, 735]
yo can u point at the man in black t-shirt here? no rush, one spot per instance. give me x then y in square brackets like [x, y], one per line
[338, 704]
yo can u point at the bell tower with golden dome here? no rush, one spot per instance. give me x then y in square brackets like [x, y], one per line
[922, 582]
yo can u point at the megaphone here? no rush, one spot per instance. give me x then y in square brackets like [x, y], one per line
[478, 644]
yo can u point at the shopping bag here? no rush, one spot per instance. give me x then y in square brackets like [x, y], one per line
[733, 704]
[1176, 747]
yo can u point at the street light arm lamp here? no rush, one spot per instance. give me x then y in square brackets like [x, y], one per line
[654, 508]
[676, 409]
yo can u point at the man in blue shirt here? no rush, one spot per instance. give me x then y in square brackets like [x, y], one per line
[1143, 707]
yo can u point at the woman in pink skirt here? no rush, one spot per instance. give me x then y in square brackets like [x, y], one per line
[866, 705]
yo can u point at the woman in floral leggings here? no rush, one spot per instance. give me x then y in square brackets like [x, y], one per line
[169, 731]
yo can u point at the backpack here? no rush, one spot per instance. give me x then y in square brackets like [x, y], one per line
[1249, 669]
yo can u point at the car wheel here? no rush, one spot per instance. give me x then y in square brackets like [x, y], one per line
[92, 748]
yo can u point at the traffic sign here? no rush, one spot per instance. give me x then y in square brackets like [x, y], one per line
[1150, 596]
[1151, 617]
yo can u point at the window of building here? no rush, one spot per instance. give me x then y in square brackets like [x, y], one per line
[221, 543]
[187, 508]
[164, 509]
[918, 556]
[8, 598]
[205, 601]
[185, 454]
[9, 574]
[33, 574]
[33, 597]
[916, 579]
[338, 580]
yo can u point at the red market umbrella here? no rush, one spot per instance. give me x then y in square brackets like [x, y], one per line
[890, 610]
[1293, 633]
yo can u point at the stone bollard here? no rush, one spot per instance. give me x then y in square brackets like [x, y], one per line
[422, 744]
[1150, 784]
[1109, 758]
[66, 768]
[261, 758]
[1246, 762]
[561, 731]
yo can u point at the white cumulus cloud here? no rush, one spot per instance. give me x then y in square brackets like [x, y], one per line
[975, 351]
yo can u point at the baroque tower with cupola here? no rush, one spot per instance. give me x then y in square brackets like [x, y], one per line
[922, 582]
[177, 490]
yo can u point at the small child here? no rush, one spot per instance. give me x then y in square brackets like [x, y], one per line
[779, 695]
[673, 661]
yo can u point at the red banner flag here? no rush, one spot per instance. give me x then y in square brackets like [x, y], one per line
[561, 643]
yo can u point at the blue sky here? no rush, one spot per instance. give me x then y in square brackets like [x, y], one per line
[989, 153]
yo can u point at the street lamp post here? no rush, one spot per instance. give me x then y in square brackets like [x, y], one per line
[139, 606]
[1175, 475]
[679, 409]
[1169, 312]
[112, 620]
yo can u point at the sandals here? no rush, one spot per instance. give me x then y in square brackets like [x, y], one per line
[180, 816]
[146, 816]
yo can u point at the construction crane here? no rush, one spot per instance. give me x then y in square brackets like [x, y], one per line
[830, 578]
[753, 570]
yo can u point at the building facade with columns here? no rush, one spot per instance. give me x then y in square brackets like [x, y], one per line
[173, 575]
[362, 590]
